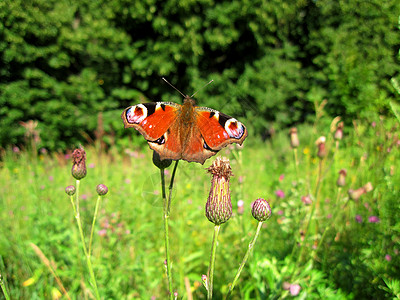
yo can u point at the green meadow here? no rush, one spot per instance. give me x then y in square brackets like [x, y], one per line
[322, 240]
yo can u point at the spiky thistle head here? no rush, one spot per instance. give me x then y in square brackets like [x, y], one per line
[219, 206]
[101, 189]
[261, 210]
[78, 170]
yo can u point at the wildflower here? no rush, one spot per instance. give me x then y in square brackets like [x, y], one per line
[101, 189]
[358, 219]
[342, 178]
[261, 210]
[320, 142]
[15, 149]
[339, 131]
[161, 164]
[219, 206]
[374, 219]
[368, 187]
[70, 190]
[281, 177]
[294, 289]
[294, 139]
[388, 257]
[356, 194]
[306, 200]
[280, 194]
[79, 164]
[240, 207]
[102, 232]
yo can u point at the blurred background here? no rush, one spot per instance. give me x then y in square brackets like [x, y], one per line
[69, 68]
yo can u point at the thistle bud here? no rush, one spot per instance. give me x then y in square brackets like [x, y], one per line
[79, 164]
[320, 142]
[261, 210]
[219, 206]
[101, 189]
[70, 190]
[342, 178]
[339, 131]
[294, 139]
[161, 164]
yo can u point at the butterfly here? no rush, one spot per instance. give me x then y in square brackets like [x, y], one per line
[184, 131]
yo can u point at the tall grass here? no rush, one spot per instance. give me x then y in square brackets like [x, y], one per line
[346, 249]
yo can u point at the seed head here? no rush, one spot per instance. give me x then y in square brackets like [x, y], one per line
[70, 190]
[161, 164]
[294, 139]
[101, 189]
[219, 206]
[261, 210]
[79, 163]
[342, 178]
[320, 142]
[339, 131]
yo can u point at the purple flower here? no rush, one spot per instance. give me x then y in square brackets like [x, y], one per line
[373, 219]
[294, 289]
[280, 194]
[358, 219]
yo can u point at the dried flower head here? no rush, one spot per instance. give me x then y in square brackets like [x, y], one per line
[161, 164]
[294, 139]
[261, 210]
[320, 142]
[79, 163]
[368, 187]
[101, 189]
[219, 206]
[70, 190]
[342, 178]
[339, 131]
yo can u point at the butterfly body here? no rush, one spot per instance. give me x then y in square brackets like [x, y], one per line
[184, 131]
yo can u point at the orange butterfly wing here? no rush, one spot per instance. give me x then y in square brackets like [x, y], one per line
[218, 129]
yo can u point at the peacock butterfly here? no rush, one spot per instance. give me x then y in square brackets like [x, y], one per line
[184, 131]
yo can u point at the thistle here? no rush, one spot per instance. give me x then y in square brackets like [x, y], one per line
[294, 139]
[78, 170]
[219, 206]
[342, 178]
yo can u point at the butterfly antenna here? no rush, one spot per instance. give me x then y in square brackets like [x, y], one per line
[184, 96]
[202, 87]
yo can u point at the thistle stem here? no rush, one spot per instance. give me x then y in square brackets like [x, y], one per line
[93, 223]
[87, 255]
[3, 287]
[212, 262]
[167, 207]
[246, 256]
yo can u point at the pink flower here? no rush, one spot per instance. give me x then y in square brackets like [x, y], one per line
[358, 219]
[306, 200]
[281, 177]
[91, 166]
[294, 289]
[280, 194]
[102, 232]
[388, 257]
[373, 219]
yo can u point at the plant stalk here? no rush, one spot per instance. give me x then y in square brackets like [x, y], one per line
[212, 262]
[246, 256]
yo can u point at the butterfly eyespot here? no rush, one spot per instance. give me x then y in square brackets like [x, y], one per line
[234, 128]
[136, 114]
[160, 141]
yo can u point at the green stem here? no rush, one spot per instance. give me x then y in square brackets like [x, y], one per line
[167, 207]
[246, 256]
[212, 262]
[296, 163]
[93, 223]
[3, 287]
[87, 255]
